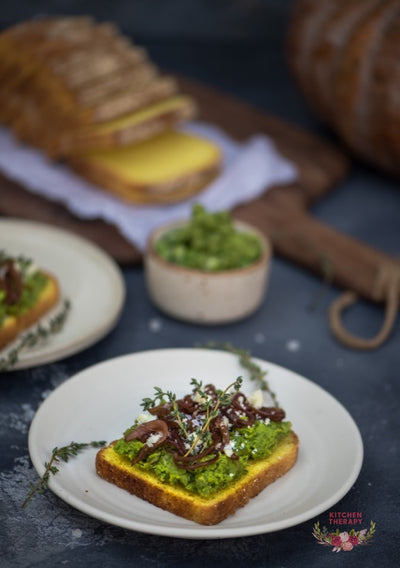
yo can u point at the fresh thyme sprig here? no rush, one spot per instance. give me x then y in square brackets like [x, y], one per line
[34, 337]
[57, 455]
[160, 397]
[223, 399]
[208, 405]
[256, 374]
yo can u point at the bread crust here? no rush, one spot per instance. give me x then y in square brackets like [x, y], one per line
[308, 17]
[344, 57]
[353, 75]
[211, 511]
[13, 326]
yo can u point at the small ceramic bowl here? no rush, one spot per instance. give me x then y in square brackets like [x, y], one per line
[206, 297]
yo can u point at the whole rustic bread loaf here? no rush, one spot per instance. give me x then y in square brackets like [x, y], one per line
[61, 76]
[344, 55]
[85, 94]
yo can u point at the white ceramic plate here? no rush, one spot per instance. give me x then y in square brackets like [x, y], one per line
[88, 277]
[100, 402]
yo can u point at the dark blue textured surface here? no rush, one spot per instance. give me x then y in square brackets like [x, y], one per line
[49, 533]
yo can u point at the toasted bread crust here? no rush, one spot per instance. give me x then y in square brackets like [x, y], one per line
[13, 326]
[119, 471]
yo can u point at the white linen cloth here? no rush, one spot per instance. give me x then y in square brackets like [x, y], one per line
[249, 169]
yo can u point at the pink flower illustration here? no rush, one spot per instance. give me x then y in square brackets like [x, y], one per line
[353, 538]
[343, 541]
[347, 545]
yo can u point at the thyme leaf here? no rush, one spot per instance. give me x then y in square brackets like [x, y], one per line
[32, 338]
[58, 454]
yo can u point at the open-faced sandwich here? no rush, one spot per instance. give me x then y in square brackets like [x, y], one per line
[203, 456]
[26, 294]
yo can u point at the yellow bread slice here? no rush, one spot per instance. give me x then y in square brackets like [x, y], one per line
[12, 326]
[125, 121]
[166, 168]
[119, 471]
[129, 128]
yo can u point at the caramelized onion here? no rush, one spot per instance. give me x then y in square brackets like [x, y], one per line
[142, 432]
[146, 429]
[11, 282]
[197, 460]
[274, 413]
[238, 414]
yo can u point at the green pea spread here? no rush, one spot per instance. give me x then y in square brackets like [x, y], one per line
[209, 241]
[33, 282]
[250, 443]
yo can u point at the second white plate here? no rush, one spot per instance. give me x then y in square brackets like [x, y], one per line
[102, 401]
[88, 277]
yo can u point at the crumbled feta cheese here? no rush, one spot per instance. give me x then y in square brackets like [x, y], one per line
[196, 397]
[267, 421]
[144, 417]
[228, 450]
[257, 399]
[197, 422]
[153, 439]
[225, 421]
